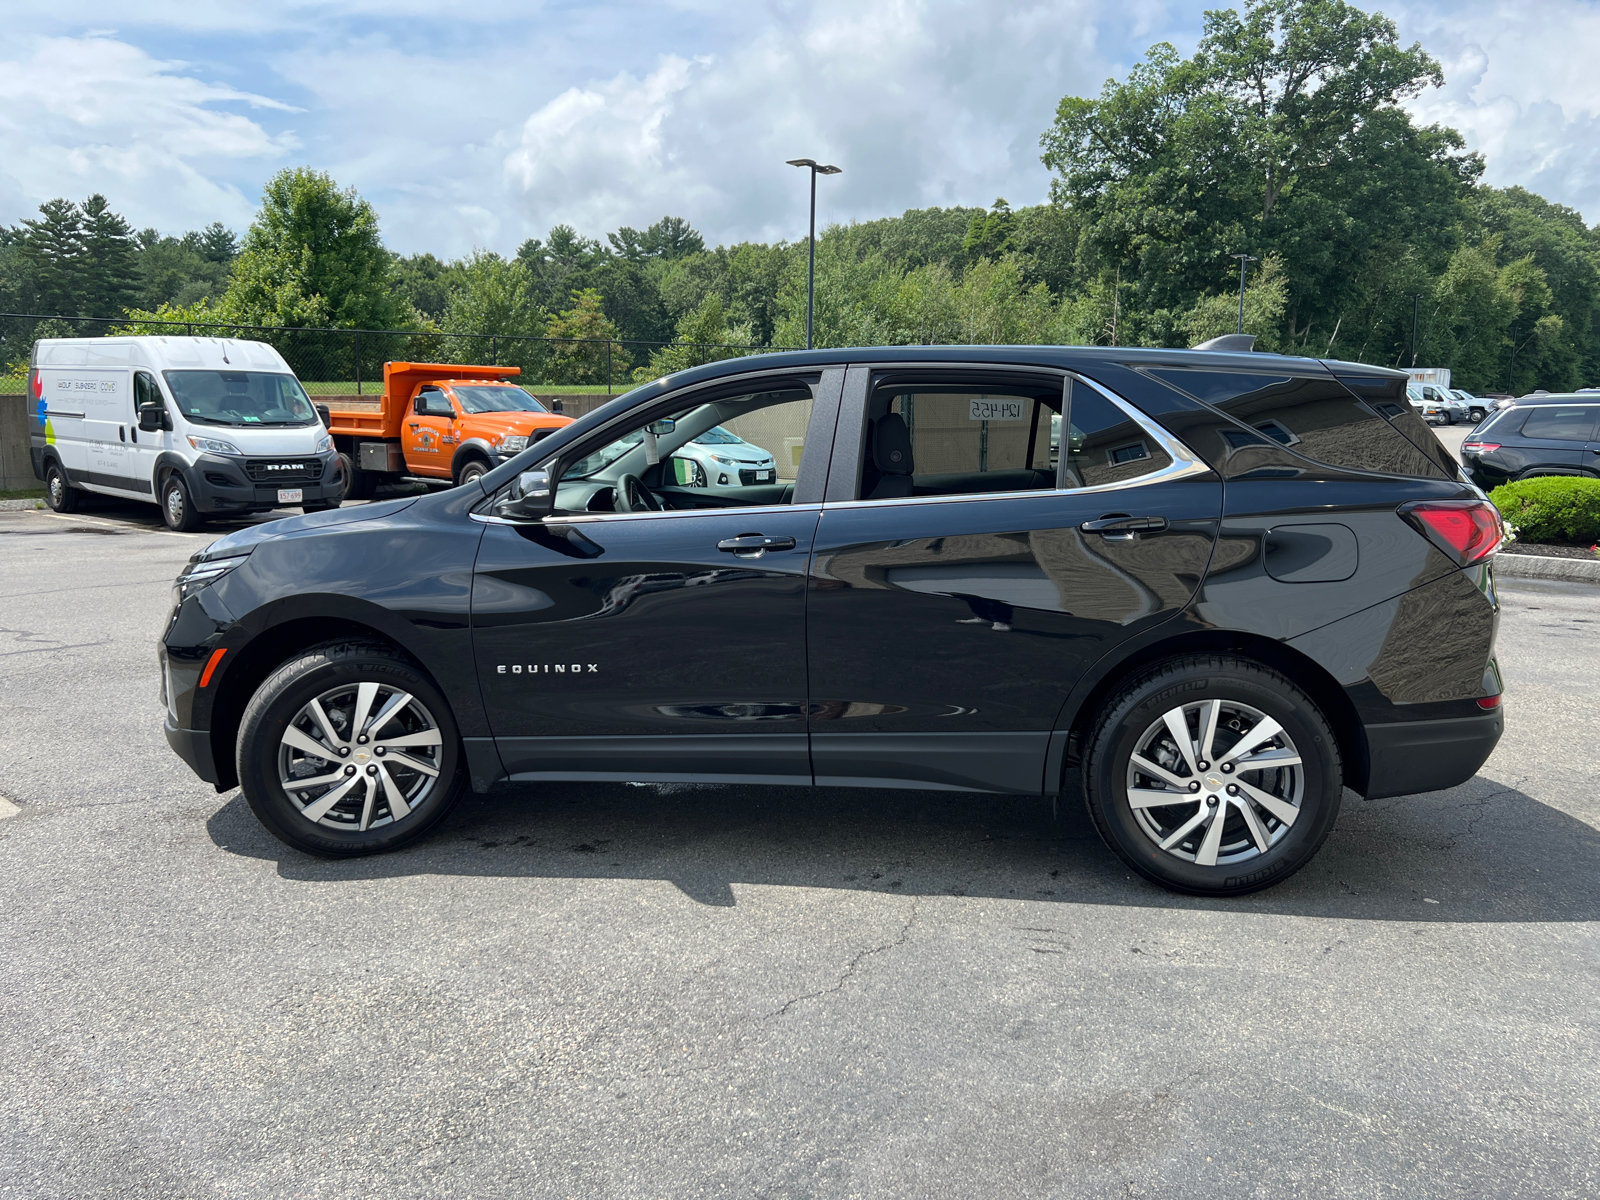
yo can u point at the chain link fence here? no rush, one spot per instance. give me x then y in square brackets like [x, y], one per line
[350, 361]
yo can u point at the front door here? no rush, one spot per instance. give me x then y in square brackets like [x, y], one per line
[145, 445]
[657, 644]
[968, 571]
[429, 439]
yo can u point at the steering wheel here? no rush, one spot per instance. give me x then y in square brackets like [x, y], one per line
[633, 496]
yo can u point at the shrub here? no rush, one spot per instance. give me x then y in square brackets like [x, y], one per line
[1551, 508]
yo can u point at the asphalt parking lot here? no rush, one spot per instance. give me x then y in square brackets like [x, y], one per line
[675, 991]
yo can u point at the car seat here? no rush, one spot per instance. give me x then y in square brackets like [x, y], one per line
[891, 458]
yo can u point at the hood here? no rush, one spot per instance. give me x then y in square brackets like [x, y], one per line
[261, 441]
[241, 540]
[492, 425]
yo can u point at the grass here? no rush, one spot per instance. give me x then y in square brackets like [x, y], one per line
[17, 384]
[22, 494]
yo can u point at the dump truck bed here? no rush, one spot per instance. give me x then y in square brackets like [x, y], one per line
[382, 417]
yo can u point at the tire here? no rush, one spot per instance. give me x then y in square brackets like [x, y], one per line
[60, 495]
[355, 813]
[1477, 415]
[1306, 793]
[177, 508]
[358, 484]
[471, 470]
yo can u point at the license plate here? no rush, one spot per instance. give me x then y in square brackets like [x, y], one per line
[761, 476]
[291, 495]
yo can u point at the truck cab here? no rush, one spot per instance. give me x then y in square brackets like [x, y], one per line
[438, 421]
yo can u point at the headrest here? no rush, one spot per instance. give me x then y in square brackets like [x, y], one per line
[891, 445]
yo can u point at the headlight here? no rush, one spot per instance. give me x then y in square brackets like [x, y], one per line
[198, 575]
[324, 444]
[727, 462]
[212, 445]
[513, 443]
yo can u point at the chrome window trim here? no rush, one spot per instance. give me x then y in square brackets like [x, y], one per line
[592, 518]
[1184, 464]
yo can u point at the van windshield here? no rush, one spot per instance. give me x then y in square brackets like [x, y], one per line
[495, 398]
[240, 398]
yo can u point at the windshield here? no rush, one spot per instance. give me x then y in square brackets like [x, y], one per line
[240, 398]
[717, 436]
[603, 457]
[496, 398]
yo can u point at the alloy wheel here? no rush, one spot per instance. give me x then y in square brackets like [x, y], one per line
[360, 756]
[1215, 782]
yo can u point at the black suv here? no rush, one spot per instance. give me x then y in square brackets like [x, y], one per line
[1539, 435]
[1201, 588]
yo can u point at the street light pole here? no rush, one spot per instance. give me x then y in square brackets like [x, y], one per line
[811, 236]
[1243, 258]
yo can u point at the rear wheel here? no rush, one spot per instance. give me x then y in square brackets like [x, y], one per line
[349, 749]
[358, 484]
[58, 493]
[1213, 775]
[177, 508]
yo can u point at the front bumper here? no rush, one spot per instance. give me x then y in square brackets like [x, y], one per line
[1427, 756]
[218, 483]
[194, 747]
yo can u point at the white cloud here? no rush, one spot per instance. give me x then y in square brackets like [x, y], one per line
[86, 114]
[1519, 85]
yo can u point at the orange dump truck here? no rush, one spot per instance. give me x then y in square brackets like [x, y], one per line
[442, 421]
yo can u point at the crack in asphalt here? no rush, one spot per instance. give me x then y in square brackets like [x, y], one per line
[850, 968]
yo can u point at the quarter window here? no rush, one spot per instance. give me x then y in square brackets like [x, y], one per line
[1560, 424]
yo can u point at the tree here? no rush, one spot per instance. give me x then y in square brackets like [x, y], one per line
[669, 238]
[704, 336]
[54, 249]
[495, 297]
[313, 256]
[110, 273]
[590, 355]
[992, 234]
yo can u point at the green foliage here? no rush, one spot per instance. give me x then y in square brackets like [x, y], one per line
[493, 296]
[703, 336]
[53, 247]
[424, 281]
[596, 358]
[313, 256]
[1265, 298]
[1551, 508]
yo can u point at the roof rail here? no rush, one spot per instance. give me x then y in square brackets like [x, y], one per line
[1244, 343]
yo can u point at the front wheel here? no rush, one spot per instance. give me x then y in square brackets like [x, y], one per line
[177, 509]
[1213, 775]
[349, 749]
[472, 472]
[60, 495]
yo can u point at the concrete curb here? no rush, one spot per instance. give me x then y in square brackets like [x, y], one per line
[1538, 566]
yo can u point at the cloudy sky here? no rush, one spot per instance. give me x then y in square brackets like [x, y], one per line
[481, 125]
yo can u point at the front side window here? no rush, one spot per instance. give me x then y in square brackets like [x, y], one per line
[240, 398]
[495, 398]
[1560, 423]
[736, 451]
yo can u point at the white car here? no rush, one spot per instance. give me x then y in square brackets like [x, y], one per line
[723, 461]
[1470, 407]
[1431, 403]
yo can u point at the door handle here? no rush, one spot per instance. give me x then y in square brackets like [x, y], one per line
[414, 424]
[121, 436]
[754, 545]
[1124, 527]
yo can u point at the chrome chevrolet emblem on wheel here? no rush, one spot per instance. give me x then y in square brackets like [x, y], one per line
[360, 756]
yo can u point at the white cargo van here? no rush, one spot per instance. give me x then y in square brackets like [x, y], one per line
[198, 426]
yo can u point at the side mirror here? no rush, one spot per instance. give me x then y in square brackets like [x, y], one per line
[325, 416]
[530, 500]
[555, 405]
[152, 417]
[664, 426]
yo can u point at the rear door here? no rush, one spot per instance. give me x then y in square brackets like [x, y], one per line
[90, 408]
[1553, 440]
[967, 572]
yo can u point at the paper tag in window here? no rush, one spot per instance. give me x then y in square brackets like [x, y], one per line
[651, 455]
[984, 409]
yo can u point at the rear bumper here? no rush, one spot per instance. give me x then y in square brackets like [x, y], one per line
[1427, 756]
[194, 747]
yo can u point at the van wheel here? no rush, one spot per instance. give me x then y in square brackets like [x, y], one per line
[58, 493]
[349, 749]
[1213, 775]
[177, 510]
[472, 472]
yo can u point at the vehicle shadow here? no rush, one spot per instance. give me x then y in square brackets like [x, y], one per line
[1480, 852]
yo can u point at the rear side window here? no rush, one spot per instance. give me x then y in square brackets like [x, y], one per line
[1560, 423]
[1314, 417]
[1104, 444]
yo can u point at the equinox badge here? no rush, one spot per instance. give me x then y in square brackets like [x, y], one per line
[547, 668]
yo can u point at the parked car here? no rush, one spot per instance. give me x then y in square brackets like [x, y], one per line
[721, 460]
[1540, 435]
[197, 426]
[1201, 618]
[1434, 404]
[1469, 407]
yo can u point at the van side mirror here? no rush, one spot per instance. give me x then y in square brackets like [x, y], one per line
[324, 415]
[153, 416]
[530, 500]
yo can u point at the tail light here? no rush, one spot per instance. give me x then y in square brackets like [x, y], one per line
[1479, 447]
[1466, 530]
